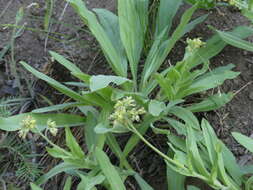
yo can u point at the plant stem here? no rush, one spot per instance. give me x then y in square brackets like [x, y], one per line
[155, 149]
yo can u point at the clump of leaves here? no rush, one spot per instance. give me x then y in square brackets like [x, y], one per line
[155, 96]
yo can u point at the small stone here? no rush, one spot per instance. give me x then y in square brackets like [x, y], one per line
[251, 95]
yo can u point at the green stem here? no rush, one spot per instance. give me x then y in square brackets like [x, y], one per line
[155, 149]
[45, 137]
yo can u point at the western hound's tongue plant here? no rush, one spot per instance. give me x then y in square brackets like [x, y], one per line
[139, 96]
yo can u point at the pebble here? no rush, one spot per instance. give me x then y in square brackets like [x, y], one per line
[251, 95]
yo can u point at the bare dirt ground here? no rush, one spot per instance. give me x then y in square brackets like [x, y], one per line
[76, 44]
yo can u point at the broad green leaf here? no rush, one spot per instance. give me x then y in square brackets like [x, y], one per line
[62, 167]
[245, 141]
[111, 52]
[235, 41]
[110, 23]
[68, 183]
[65, 90]
[133, 16]
[56, 107]
[101, 81]
[216, 44]
[230, 161]
[35, 187]
[186, 116]
[115, 147]
[66, 63]
[194, 155]
[166, 12]
[109, 170]
[73, 145]
[174, 179]
[161, 48]
[195, 22]
[210, 80]
[177, 125]
[13, 123]
[82, 76]
[211, 103]
[155, 107]
[142, 183]
[90, 135]
[89, 183]
[209, 139]
[102, 129]
[165, 86]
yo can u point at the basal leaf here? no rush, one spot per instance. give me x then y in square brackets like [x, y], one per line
[101, 81]
[13, 123]
[109, 170]
[245, 141]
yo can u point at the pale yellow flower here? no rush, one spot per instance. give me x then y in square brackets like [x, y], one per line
[27, 124]
[52, 127]
[126, 110]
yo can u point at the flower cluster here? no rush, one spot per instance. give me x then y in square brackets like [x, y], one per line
[194, 44]
[126, 110]
[52, 127]
[27, 124]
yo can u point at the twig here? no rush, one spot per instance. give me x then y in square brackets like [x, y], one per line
[238, 91]
[5, 9]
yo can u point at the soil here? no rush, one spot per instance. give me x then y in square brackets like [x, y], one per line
[82, 49]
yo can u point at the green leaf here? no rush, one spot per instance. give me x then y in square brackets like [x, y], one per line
[62, 167]
[211, 103]
[35, 187]
[68, 183]
[166, 12]
[174, 179]
[109, 170]
[186, 116]
[101, 81]
[230, 161]
[90, 135]
[162, 47]
[166, 86]
[56, 107]
[110, 23]
[73, 145]
[210, 80]
[194, 155]
[155, 107]
[235, 41]
[66, 63]
[55, 84]
[89, 183]
[142, 183]
[112, 53]
[216, 44]
[133, 17]
[245, 141]
[13, 123]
